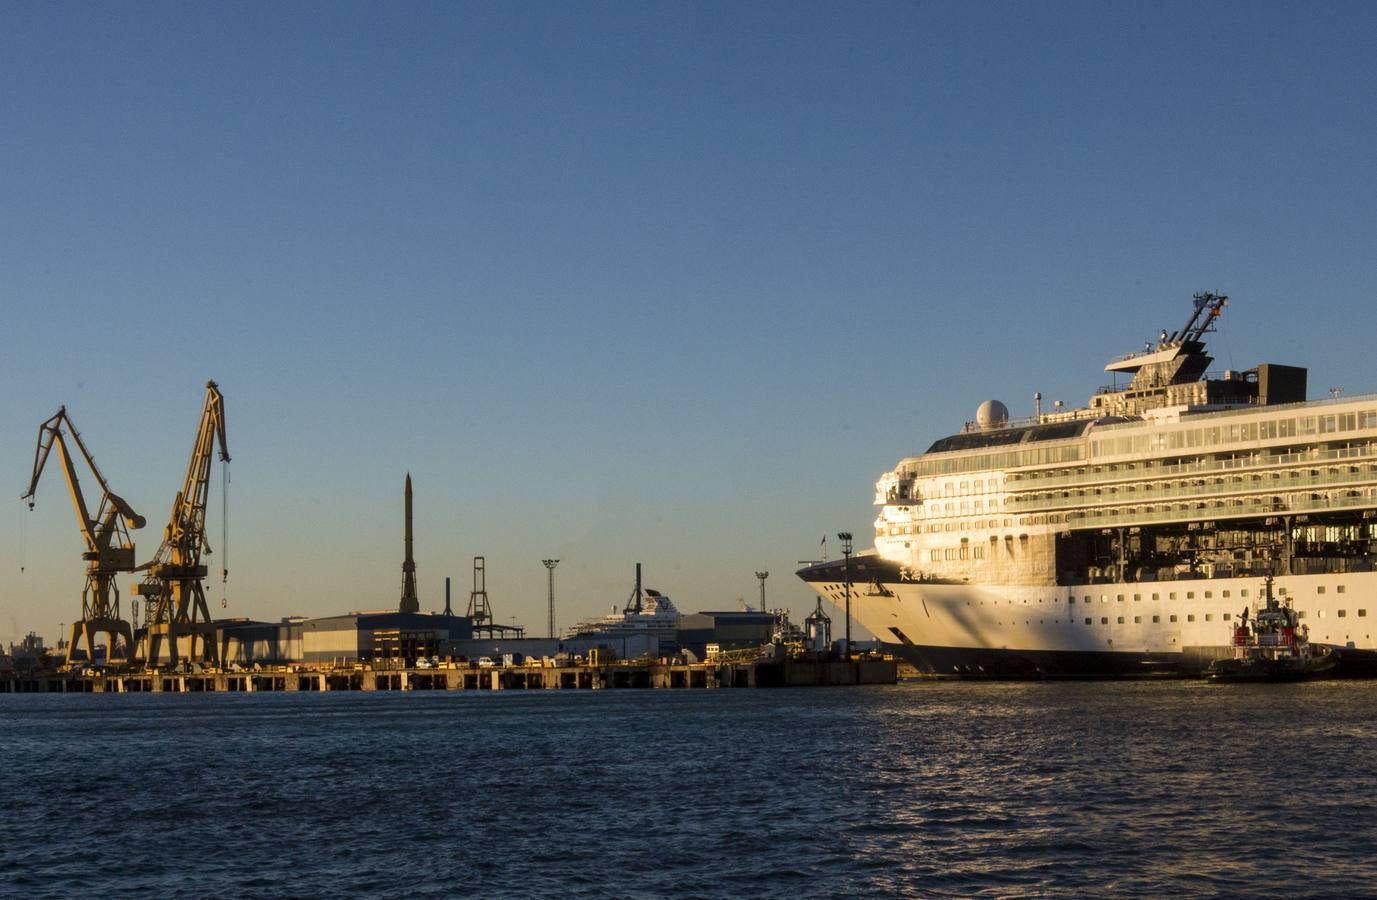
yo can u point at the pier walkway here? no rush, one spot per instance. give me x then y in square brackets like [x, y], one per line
[614, 676]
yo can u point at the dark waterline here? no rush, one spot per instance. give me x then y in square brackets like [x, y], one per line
[917, 789]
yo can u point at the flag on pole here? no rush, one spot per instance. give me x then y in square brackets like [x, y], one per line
[823, 545]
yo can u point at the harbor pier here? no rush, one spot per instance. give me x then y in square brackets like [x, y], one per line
[460, 677]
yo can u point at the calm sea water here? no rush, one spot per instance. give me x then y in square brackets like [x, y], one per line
[925, 789]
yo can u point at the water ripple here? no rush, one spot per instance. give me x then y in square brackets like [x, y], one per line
[929, 789]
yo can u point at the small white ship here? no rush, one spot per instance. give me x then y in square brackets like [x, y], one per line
[647, 614]
[1116, 538]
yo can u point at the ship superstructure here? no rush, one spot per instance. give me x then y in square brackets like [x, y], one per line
[1116, 537]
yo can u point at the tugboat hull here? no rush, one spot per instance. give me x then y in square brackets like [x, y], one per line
[1261, 669]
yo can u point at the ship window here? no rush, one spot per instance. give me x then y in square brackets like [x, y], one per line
[1121, 620]
[1209, 617]
[1226, 593]
[1320, 614]
[1171, 596]
[1085, 599]
[1190, 595]
[1087, 620]
[1137, 620]
[1104, 620]
[1156, 619]
[1339, 589]
[1157, 596]
[1228, 616]
[1320, 589]
[1342, 613]
[1137, 597]
[1301, 614]
[1243, 593]
[1209, 594]
[1070, 601]
[1362, 614]
[1173, 617]
[1120, 598]
[1104, 598]
[1190, 618]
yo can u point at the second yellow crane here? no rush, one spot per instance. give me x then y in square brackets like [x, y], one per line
[178, 621]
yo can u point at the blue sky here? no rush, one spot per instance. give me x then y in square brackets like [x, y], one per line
[622, 281]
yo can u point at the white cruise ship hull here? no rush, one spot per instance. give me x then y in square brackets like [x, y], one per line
[1110, 629]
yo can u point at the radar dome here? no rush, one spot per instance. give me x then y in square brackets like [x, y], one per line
[991, 415]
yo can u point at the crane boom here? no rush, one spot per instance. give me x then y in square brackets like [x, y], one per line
[109, 549]
[1210, 306]
[172, 584]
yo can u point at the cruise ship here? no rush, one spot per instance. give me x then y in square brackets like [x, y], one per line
[1124, 537]
[649, 621]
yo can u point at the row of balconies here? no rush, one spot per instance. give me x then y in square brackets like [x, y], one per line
[1219, 509]
[1121, 472]
[1235, 484]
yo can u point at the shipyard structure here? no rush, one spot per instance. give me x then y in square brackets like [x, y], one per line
[179, 637]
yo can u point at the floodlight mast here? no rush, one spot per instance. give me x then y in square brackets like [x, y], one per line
[550, 566]
[845, 538]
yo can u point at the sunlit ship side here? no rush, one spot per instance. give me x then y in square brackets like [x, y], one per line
[1116, 538]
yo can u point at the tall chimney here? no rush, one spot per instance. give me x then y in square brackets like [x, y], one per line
[409, 602]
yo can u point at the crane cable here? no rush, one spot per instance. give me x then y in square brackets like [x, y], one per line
[23, 541]
[224, 532]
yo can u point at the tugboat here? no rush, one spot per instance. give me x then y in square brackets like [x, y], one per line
[1274, 648]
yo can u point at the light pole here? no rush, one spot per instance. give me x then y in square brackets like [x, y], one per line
[762, 576]
[550, 565]
[845, 538]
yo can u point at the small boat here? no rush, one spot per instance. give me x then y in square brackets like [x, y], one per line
[1275, 647]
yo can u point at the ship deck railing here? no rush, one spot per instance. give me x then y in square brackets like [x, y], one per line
[1196, 512]
[1214, 414]
[1115, 473]
[1293, 481]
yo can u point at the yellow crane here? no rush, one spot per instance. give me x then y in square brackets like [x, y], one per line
[109, 548]
[175, 600]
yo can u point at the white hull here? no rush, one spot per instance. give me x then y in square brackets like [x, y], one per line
[1124, 618]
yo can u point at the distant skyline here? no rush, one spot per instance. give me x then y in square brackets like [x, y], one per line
[617, 282]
